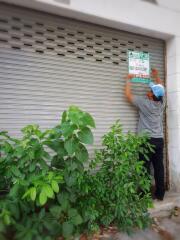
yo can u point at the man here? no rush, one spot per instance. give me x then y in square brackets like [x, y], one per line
[151, 109]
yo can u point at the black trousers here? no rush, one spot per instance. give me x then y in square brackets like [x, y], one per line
[156, 158]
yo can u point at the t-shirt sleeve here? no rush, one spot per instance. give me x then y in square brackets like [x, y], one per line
[138, 101]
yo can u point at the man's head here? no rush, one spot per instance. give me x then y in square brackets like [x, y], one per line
[157, 92]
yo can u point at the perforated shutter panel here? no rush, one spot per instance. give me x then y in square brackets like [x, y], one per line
[48, 63]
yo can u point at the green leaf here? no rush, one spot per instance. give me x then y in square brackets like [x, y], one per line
[4, 134]
[71, 145]
[57, 162]
[19, 151]
[7, 220]
[2, 237]
[67, 129]
[76, 220]
[63, 201]
[85, 136]
[14, 210]
[57, 146]
[48, 191]
[70, 180]
[33, 193]
[14, 190]
[56, 211]
[42, 198]
[15, 171]
[72, 165]
[43, 164]
[140, 224]
[46, 238]
[7, 147]
[31, 155]
[72, 197]
[72, 212]
[88, 120]
[75, 117]
[55, 132]
[55, 186]
[82, 153]
[42, 213]
[26, 194]
[74, 216]
[64, 115]
[67, 229]
[73, 108]
[32, 167]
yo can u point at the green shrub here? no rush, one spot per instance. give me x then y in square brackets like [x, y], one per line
[119, 192]
[39, 174]
[46, 192]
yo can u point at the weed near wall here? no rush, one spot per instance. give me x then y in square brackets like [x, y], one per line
[46, 192]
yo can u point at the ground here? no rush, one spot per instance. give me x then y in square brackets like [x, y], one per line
[166, 226]
[162, 229]
[166, 223]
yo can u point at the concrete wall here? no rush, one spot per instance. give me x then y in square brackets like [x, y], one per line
[173, 110]
[139, 17]
[132, 15]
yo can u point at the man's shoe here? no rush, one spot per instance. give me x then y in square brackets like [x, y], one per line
[159, 198]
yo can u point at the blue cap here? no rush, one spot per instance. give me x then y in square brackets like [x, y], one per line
[157, 89]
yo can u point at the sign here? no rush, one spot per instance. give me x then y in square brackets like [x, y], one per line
[141, 80]
[139, 65]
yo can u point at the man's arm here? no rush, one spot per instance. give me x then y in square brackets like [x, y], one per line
[128, 91]
[155, 76]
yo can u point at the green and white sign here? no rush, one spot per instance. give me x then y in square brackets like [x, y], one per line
[139, 64]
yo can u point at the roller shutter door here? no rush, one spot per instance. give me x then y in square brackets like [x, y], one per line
[48, 63]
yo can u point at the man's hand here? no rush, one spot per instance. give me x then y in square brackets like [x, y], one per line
[154, 73]
[129, 76]
[155, 76]
[128, 92]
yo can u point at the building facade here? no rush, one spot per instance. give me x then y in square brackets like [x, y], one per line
[57, 53]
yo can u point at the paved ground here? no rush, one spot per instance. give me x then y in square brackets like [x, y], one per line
[166, 226]
[163, 208]
[163, 229]
[166, 215]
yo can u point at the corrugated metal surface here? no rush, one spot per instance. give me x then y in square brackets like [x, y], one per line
[48, 63]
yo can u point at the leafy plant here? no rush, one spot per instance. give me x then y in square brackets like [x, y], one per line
[68, 142]
[119, 191]
[46, 191]
[40, 173]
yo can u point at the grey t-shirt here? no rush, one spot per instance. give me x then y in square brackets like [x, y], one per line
[150, 116]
